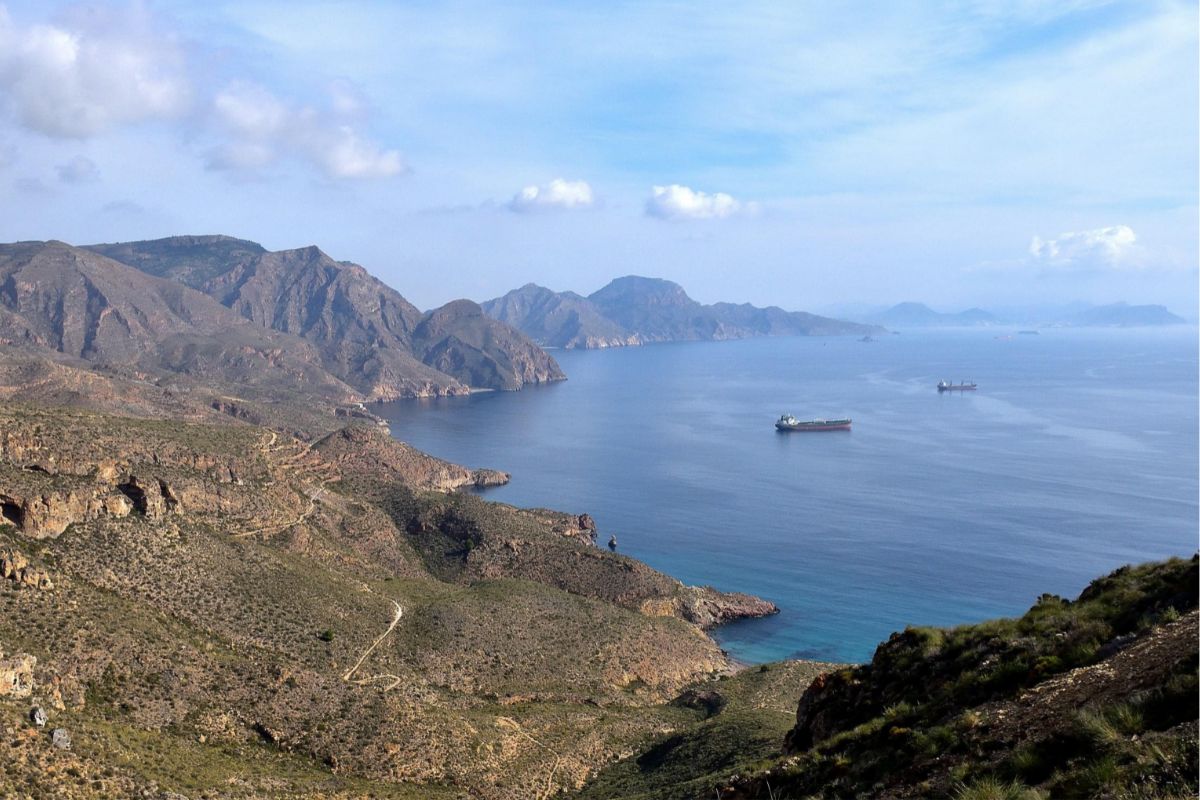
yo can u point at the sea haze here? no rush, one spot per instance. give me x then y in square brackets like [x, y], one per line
[1078, 454]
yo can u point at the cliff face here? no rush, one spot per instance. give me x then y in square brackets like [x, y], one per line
[367, 334]
[74, 302]
[635, 310]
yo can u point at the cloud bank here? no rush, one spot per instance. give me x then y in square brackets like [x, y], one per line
[262, 128]
[1110, 247]
[557, 194]
[681, 202]
[85, 79]
[99, 69]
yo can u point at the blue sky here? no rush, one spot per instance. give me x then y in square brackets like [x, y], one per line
[801, 154]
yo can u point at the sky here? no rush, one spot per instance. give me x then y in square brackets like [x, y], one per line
[801, 154]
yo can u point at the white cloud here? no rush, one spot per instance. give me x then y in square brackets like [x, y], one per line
[1102, 247]
[681, 202]
[88, 76]
[263, 128]
[79, 169]
[344, 154]
[557, 194]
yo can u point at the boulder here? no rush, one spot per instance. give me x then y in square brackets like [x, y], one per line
[37, 715]
[117, 505]
[60, 738]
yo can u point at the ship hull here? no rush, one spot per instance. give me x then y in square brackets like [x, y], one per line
[956, 388]
[840, 425]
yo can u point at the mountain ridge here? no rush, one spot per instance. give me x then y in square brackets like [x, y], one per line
[635, 310]
[367, 333]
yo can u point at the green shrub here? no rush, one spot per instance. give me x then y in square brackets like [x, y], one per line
[995, 789]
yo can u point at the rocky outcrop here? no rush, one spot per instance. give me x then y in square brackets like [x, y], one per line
[16, 675]
[370, 450]
[47, 514]
[708, 607]
[15, 567]
[153, 498]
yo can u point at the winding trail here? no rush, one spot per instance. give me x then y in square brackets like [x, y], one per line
[348, 675]
[283, 526]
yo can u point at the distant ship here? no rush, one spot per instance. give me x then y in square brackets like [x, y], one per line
[946, 386]
[1028, 333]
[789, 423]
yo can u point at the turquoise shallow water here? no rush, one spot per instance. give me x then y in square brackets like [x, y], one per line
[1078, 454]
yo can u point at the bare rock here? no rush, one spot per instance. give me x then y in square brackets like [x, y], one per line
[60, 738]
[708, 607]
[117, 505]
[16, 675]
[14, 566]
[37, 715]
[489, 477]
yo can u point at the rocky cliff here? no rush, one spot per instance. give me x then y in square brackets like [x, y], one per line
[367, 333]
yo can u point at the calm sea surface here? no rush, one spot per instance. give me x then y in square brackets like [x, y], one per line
[1078, 454]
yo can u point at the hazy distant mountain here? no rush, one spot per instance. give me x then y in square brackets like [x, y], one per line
[919, 315]
[634, 310]
[1123, 315]
[366, 333]
[558, 319]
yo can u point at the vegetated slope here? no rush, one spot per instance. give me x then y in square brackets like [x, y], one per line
[635, 310]
[211, 608]
[1091, 698]
[366, 332]
[70, 301]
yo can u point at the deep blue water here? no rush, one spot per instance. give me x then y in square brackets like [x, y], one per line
[1078, 454]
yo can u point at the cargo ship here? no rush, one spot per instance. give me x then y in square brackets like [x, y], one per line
[789, 423]
[946, 386]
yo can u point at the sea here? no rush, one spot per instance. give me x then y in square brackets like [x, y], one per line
[1076, 455]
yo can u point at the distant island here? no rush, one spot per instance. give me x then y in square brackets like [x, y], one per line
[1116, 315]
[1123, 315]
[919, 315]
[635, 310]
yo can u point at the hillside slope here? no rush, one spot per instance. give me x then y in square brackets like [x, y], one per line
[223, 611]
[70, 301]
[1095, 697]
[366, 332]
